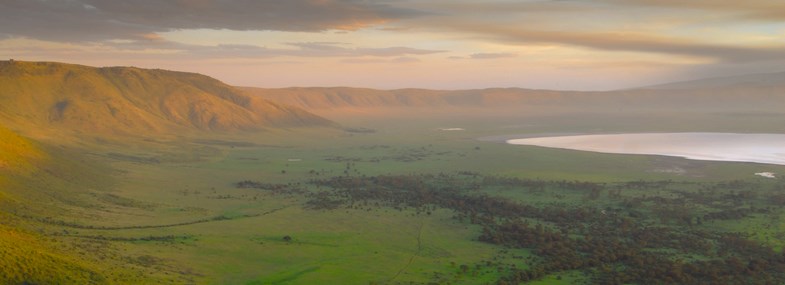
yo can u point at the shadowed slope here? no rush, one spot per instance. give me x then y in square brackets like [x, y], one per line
[127, 100]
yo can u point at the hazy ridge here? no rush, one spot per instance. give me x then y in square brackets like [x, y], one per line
[758, 92]
[758, 80]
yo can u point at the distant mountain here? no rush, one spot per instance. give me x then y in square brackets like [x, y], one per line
[341, 98]
[759, 92]
[762, 80]
[128, 100]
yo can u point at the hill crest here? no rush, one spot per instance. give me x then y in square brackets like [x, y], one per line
[130, 100]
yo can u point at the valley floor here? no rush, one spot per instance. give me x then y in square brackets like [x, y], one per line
[401, 203]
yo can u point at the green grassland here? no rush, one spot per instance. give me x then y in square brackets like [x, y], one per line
[170, 212]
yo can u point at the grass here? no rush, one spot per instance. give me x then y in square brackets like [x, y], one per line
[29, 259]
[347, 259]
[123, 188]
[17, 154]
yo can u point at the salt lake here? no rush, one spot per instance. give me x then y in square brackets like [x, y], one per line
[759, 148]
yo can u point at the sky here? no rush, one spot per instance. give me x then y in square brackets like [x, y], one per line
[391, 44]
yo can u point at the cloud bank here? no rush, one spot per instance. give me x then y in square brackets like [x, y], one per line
[93, 20]
[633, 39]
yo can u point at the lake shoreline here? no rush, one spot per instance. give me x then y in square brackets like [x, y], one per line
[730, 147]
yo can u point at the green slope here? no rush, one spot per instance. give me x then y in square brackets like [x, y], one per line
[28, 259]
[38, 182]
[16, 152]
[25, 256]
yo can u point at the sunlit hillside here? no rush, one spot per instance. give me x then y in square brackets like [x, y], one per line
[16, 153]
[28, 258]
[127, 100]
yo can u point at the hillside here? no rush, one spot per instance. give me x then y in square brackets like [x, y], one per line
[27, 257]
[37, 181]
[16, 153]
[127, 100]
[30, 259]
[759, 92]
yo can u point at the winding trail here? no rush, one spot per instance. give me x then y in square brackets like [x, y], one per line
[416, 252]
[206, 220]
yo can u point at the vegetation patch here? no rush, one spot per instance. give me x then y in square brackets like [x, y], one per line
[644, 232]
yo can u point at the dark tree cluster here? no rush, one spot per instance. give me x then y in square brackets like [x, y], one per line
[643, 239]
[290, 189]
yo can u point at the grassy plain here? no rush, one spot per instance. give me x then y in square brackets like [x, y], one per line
[172, 211]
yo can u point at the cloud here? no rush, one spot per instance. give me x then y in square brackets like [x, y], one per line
[764, 10]
[156, 47]
[334, 49]
[493, 55]
[96, 20]
[773, 10]
[695, 28]
[562, 22]
[457, 7]
[625, 41]
[405, 59]
[363, 60]
[402, 59]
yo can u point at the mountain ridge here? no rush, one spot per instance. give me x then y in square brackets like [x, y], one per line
[754, 79]
[130, 100]
[757, 92]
